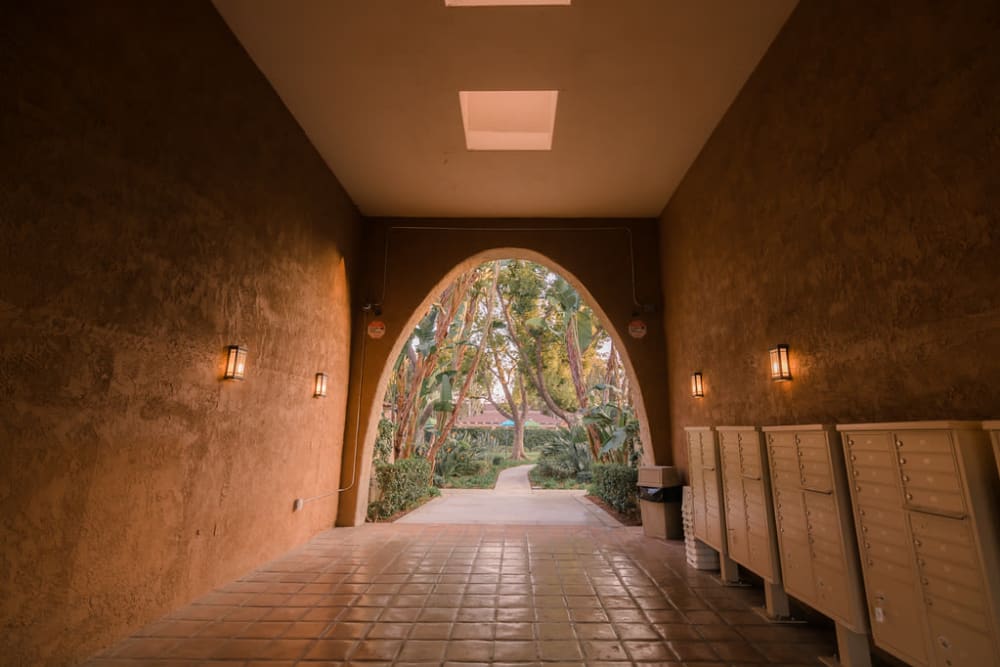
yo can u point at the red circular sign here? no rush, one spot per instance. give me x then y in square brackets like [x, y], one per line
[376, 329]
[637, 328]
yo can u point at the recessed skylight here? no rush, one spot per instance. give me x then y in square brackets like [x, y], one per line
[508, 120]
[502, 3]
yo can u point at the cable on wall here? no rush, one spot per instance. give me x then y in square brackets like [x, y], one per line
[357, 417]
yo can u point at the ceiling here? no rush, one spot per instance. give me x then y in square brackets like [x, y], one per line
[375, 83]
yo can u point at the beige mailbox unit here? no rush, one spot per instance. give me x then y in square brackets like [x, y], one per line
[705, 477]
[751, 533]
[819, 558]
[926, 507]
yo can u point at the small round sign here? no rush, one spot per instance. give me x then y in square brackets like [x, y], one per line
[637, 328]
[376, 329]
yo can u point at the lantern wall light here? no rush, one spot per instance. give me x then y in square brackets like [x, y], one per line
[236, 362]
[697, 386]
[781, 370]
[319, 390]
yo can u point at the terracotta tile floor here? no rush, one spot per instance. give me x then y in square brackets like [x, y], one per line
[450, 595]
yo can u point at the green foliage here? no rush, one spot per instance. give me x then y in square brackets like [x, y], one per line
[565, 456]
[502, 439]
[536, 438]
[403, 485]
[460, 458]
[615, 484]
[618, 429]
[383, 441]
[539, 479]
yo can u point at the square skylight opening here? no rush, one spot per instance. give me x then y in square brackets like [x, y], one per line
[508, 120]
[503, 3]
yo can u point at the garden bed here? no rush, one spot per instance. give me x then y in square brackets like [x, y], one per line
[628, 519]
[401, 513]
[540, 481]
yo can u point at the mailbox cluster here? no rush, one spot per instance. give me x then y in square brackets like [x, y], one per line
[891, 530]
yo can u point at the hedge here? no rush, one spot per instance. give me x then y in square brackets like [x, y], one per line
[495, 438]
[403, 484]
[615, 484]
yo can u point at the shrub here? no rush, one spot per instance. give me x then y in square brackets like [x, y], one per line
[565, 455]
[556, 468]
[503, 438]
[615, 484]
[383, 441]
[403, 484]
[460, 458]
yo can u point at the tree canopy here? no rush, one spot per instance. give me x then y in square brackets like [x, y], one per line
[516, 335]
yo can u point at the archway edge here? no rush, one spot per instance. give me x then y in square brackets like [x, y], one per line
[420, 262]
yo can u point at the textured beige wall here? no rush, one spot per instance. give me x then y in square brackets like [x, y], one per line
[846, 205]
[597, 261]
[157, 203]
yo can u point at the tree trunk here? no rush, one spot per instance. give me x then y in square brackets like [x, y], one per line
[517, 452]
[575, 358]
[444, 431]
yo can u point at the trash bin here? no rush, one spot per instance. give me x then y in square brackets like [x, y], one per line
[660, 497]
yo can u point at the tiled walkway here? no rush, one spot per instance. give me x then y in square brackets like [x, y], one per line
[500, 595]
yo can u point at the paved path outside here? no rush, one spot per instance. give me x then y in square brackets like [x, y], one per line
[512, 501]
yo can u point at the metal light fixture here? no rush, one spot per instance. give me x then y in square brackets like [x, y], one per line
[319, 391]
[697, 387]
[236, 362]
[781, 371]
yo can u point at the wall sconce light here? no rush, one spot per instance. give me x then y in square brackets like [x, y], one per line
[697, 387]
[236, 362]
[319, 391]
[781, 371]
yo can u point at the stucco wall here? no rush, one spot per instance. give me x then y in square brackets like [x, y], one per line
[846, 205]
[594, 255]
[157, 202]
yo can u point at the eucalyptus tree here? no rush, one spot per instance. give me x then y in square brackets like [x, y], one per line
[441, 351]
[522, 337]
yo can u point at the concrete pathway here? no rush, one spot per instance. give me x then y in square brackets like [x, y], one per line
[512, 501]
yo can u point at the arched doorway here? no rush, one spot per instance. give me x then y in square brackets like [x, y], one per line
[599, 269]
